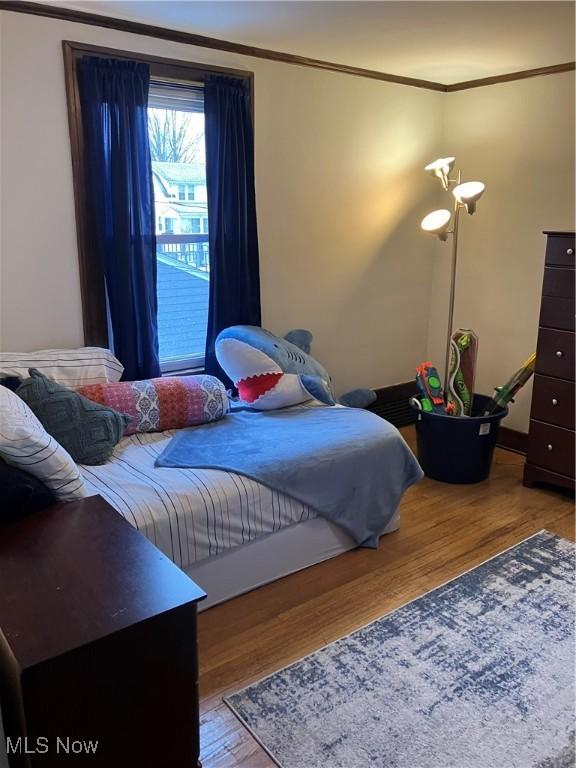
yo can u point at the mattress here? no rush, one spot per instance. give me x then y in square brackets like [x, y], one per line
[189, 514]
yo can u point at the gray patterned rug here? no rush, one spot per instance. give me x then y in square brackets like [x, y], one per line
[476, 674]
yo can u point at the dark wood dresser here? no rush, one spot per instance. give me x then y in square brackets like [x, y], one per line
[550, 456]
[97, 644]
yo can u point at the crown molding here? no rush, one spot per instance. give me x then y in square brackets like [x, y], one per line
[553, 69]
[202, 41]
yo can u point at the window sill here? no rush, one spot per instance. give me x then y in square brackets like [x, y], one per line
[183, 366]
[183, 372]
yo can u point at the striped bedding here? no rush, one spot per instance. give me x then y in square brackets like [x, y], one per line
[189, 514]
[71, 367]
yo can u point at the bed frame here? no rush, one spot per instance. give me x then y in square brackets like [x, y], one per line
[271, 557]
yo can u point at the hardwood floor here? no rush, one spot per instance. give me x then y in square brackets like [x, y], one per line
[445, 530]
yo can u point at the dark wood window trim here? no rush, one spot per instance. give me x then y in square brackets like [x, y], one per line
[91, 273]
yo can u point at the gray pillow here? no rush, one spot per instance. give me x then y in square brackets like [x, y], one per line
[87, 430]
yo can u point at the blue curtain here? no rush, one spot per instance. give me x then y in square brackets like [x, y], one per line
[114, 101]
[234, 266]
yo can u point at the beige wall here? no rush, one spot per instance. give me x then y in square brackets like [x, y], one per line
[519, 139]
[339, 194]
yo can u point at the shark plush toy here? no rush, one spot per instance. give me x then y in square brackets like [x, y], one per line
[272, 372]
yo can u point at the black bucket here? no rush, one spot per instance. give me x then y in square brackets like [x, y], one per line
[458, 449]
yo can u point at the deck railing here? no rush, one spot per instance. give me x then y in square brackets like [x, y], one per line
[190, 249]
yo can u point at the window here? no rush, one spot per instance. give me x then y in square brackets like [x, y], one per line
[176, 133]
[186, 192]
[190, 225]
[183, 258]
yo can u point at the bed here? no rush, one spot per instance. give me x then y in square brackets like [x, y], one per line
[227, 532]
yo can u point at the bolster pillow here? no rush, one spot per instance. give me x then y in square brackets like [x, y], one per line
[172, 402]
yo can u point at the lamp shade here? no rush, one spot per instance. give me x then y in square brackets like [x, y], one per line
[437, 223]
[468, 193]
[441, 169]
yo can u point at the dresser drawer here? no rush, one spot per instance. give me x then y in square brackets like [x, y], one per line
[551, 447]
[555, 353]
[553, 401]
[556, 312]
[558, 281]
[560, 250]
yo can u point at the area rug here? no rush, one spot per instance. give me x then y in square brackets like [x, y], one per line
[478, 673]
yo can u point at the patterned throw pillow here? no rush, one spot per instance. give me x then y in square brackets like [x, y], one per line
[24, 443]
[88, 431]
[169, 403]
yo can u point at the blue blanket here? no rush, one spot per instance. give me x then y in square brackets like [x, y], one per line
[349, 465]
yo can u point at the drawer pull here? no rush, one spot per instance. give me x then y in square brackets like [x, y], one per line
[570, 251]
[549, 447]
[559, 353]
[554, 401]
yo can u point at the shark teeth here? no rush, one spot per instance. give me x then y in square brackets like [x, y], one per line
[252, 388]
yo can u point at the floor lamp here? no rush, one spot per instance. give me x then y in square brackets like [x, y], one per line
[466, 194]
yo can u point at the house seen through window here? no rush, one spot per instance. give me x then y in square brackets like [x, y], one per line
[176, 134]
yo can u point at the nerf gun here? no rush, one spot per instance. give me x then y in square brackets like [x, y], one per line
[505, 394]
[430, 388]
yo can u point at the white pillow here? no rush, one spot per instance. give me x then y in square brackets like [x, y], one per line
[24, 443]
[71, 367]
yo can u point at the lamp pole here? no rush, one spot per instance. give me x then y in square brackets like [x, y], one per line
[452, 287]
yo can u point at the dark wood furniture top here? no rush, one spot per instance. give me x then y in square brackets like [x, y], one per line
[87, 573]
[97, 638]
[551, 454]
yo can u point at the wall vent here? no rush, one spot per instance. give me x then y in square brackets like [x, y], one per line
[392, 403]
